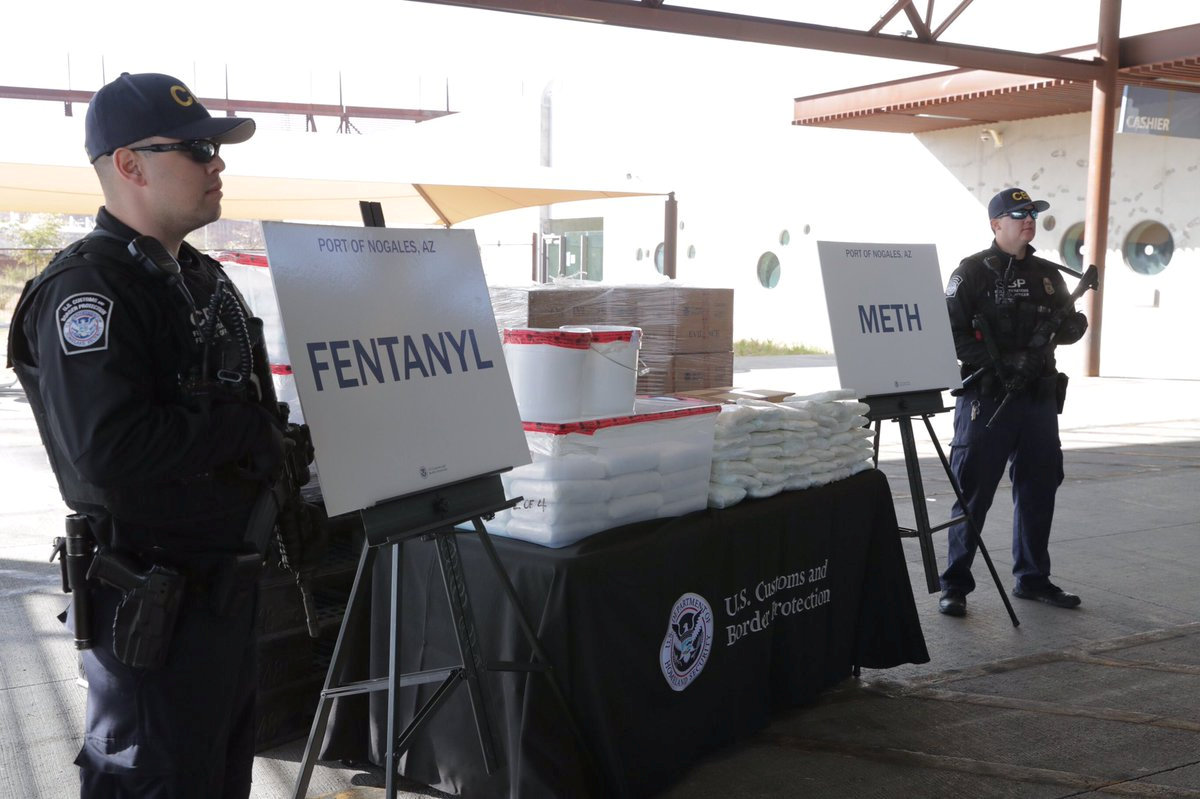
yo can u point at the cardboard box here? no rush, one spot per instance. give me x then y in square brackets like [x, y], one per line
[673, 319]
[674, 374]
[701, 370]
[549, 306]
[677, 319]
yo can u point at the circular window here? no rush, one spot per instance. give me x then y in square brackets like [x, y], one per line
[639, 254]
[681, 224]
[658, 257]
[1048, 222]
[768, 270]
[1148, 248]
[807, 229]
[1072, 247]
[691, 251]
[784, 238]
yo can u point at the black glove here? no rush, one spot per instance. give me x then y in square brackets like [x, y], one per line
[1071, 329]
[1020, 368]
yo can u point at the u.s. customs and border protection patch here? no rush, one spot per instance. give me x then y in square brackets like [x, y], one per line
[83, 322]
[952, 286]
[1048, 285]
[688, 642]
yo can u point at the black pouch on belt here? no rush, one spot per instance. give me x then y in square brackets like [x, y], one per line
[1060, 391]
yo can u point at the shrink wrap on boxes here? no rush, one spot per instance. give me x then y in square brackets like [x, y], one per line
[686, 331]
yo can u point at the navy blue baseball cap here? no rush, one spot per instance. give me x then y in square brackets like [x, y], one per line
[1010, 200]
[136, 107]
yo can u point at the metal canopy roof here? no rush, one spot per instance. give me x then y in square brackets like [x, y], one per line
[1167, 59]
[991, 85]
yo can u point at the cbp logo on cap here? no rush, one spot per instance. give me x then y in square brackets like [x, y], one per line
[181, 95]
[688, 642]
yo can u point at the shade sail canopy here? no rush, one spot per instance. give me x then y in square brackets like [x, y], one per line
[75, 190]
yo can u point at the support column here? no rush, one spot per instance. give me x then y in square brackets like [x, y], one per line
[670, 235]
[1104, 104]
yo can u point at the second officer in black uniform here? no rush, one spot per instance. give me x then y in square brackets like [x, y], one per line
[150, 388]
[997, 298]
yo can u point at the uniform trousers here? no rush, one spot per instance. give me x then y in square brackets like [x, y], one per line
[182, 731]
[1024, 437]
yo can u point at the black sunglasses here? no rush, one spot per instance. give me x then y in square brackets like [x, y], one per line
[1021, 213]
[201, 150]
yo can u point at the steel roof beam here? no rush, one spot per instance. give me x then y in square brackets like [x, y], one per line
[233, 107]
[785, 33]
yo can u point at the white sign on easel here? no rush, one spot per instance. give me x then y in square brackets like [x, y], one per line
[887, 314]
[397, 359]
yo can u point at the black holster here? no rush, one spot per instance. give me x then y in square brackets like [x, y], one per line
[1060, 391]
[148, 611]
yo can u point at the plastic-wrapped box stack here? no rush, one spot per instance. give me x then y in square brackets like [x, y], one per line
[687, 331]
[592, 475]
[762, 448]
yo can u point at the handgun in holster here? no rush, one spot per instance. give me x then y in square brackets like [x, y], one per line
[148, 610]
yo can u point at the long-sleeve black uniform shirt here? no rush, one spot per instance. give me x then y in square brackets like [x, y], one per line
[109, 346]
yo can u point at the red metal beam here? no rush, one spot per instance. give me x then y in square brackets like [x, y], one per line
[919, 26]
[234, 107]
[887, 17]
[785, 33]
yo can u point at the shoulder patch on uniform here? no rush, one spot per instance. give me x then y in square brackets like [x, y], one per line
[83, 321]
[952, 286]
[1048, 285]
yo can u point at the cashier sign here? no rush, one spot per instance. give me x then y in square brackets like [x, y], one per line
[397, 359]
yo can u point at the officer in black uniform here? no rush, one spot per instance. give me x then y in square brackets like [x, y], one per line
[997, 298]
[152, 394]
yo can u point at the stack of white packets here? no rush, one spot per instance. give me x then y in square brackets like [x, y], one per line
[762, 448]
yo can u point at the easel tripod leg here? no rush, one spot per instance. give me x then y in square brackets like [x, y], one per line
[920, 511]
[468, 642]
[391, 760]
[971, 525]
[316, 735]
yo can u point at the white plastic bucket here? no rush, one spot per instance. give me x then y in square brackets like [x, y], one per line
[610, 370]
[546, 367]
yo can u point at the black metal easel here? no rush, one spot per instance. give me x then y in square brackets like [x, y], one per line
[431, 514]
[901, 408]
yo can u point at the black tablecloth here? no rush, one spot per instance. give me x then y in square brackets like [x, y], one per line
[801, 587]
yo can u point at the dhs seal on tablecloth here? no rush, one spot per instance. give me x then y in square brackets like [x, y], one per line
[688, 642]
[83, 323]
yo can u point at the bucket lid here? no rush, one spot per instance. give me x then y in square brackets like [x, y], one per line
[574, 340]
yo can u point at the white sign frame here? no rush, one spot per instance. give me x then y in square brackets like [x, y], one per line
[887, 314]
[397, 359]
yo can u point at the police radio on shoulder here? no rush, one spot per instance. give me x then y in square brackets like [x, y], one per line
[151, 254]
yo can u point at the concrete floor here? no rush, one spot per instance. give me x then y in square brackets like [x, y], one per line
[1102, 700]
